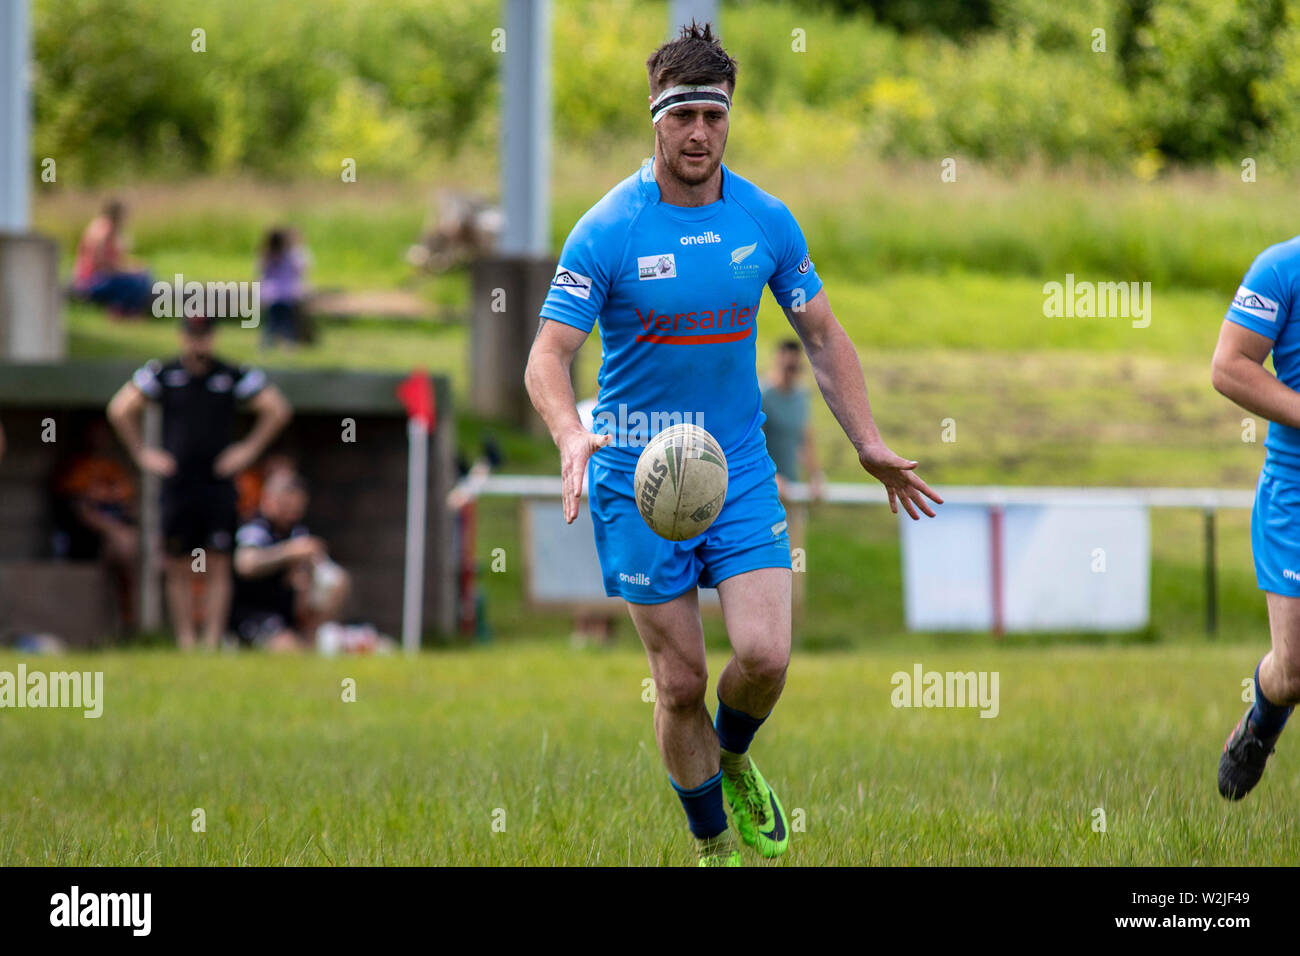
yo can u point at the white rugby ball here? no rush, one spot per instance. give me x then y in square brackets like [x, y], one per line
[681, 482]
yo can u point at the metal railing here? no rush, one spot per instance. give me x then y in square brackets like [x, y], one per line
[1207, 500]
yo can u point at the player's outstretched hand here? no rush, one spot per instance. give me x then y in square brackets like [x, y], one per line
[574, 453]
[900, 479]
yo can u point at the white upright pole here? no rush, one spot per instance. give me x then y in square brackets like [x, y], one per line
[417, 471]
[15, 116]
[526, 129]
[683, 12]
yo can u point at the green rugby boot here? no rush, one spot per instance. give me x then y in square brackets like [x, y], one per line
[757, 810]
[721, 850]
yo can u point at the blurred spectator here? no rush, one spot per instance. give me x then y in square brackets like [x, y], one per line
[250, 482]
[788, 428]
[789, 434]
[97, 502]
[103, 271]
[286, 586]
[283, 272]
[199, 395]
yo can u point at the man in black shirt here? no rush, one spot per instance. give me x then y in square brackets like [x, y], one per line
[199, 395]
[285, 584]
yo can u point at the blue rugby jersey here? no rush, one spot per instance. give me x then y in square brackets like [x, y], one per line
[676, 290]
[1263, 303]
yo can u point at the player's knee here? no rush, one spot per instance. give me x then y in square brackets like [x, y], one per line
[764, 665]
[681, 688]
[1285, 685]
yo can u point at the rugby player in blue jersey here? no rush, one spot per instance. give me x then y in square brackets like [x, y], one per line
[1259, 322]
[672, 263]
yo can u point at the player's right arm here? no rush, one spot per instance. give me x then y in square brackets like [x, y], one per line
[573, 305]
[1238, 373]
[256, 556]
[1259, 311]
[549, 386]
[125, 410]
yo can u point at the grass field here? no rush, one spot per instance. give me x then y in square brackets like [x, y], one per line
[556, 747]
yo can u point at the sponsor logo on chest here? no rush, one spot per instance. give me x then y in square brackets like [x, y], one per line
[656, 267]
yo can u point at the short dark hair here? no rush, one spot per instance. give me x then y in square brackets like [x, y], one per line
[275, 243]
[694, 58]
[790, 345]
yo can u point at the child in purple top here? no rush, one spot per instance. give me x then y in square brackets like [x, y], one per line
[283, 285]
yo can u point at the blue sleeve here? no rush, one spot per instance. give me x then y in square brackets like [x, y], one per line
[794, 269]
[1262, 302]
[582, 279]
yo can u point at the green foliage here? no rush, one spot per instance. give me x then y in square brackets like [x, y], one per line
[952, 17]
[285, 88]
[126, 87]
[1199, 79]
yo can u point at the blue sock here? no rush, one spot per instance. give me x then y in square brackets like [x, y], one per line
[1267, 718]
[703, 805]
[735, 728]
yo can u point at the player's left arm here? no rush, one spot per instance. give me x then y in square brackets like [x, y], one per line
[839, 375]
[273, 412]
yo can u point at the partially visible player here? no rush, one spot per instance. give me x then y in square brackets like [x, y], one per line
[1261, 320]
[672, 263]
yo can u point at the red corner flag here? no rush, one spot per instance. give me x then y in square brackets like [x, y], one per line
[416, 393]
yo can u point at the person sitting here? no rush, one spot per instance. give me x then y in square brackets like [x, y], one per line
[104, 273]
[96, 514]
[283, 268]
[285, 584]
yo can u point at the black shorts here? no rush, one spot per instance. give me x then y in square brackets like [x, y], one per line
[256, 628]
[198, 514]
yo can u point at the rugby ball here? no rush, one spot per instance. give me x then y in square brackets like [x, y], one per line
[681, 482]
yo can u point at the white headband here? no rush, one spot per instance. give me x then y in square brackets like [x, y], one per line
[687, 96]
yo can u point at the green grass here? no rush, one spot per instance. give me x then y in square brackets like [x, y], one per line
[558, 745]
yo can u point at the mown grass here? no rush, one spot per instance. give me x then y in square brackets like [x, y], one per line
[556, 748]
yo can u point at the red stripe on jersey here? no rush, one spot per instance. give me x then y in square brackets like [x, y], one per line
[697, 339]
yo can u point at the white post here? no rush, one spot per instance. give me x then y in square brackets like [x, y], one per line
[151, 616]
[14, 116]
[684, 11]
[417, 473]
[526, 128]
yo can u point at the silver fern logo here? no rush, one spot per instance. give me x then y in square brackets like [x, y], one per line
[744, 252]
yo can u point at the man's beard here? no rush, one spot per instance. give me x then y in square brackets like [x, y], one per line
[690, 177]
